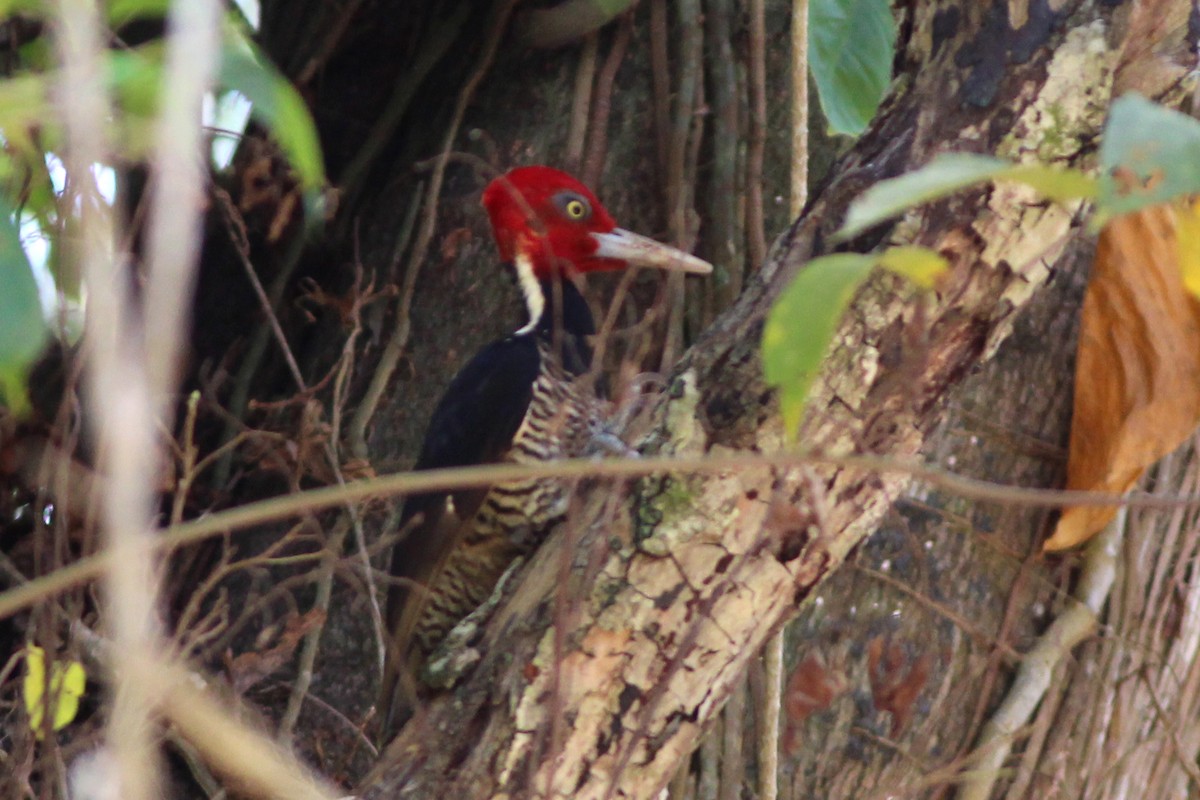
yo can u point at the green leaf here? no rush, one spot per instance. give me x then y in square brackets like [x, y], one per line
[851, 44]
[24, 108]
[920, 265]
[135, 76]
[1150, 154]
[135, 79]
[276, 104]
[802, 323]
[22, 325]
[950, 173]
[37, 54]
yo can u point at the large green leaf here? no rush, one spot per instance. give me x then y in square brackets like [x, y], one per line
[22, 325]
[276, 104]
[802, 324]
[851, 45]
[1150, 154]
[950, 173]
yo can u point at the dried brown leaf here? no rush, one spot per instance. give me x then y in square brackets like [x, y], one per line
[1137, 376]
[896, 683]
[247, 669]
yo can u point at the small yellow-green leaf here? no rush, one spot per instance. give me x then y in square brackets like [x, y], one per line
[953, 172]
[920, 265]
[1054, 183]
[66, 686]
[801, 326]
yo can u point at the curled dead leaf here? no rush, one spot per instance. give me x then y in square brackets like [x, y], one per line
[896, 683]
[1137, 375]
[247, 669]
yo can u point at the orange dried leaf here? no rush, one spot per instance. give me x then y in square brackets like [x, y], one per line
[1137, 376]
[249, 668]
[896, 682]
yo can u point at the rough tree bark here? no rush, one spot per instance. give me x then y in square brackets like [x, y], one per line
[600, 685]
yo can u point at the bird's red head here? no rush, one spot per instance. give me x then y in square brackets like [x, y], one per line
[548, 217]
[553, 221]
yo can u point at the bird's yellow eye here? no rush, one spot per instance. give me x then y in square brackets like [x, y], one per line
[576, 209]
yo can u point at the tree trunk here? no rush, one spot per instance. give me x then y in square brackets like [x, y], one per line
[630, 628]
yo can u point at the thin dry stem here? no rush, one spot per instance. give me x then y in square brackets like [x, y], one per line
[390, 358]
[119, 401]
[581, 100]
[1069, 629]
[403, 326]
[768, 714]
[335, 543]
[755, 230]
[283, 506]
[799, 191]
[593, 165]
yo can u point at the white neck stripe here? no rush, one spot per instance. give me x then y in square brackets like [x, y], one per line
[531, 290]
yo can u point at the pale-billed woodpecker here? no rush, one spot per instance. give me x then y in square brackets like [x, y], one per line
[518, 400]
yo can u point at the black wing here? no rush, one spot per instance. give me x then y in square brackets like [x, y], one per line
[482, 408]
[474, 423]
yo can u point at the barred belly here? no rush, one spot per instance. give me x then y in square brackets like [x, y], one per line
[514, 515]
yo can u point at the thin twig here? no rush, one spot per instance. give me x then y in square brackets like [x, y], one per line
[334, 545]
[979, 637]
[768, 747]
[1074, 625]
[723, 230]
[593, 165]
[390, 357]
[768, 743]
[177, 190]
[333, 38]
[733, 759]
[679, 189]
[440, 480]
[755, 234]
[435, 44]
[799, 172]
[581, 101]
[242, 247]
[660, 74]
[312, 640]
[400, 334]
